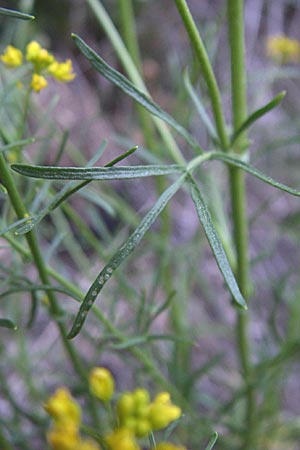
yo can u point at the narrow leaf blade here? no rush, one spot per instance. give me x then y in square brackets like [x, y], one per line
[257, 115]
[253, 171]
[126, 86]
[95, 173]
[215, 243]
[124, 251]
[212, 441]
[15, 14]
[7, 323]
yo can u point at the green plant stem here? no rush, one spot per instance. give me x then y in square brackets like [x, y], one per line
[208, 74]
[235, 10]
[16, 201]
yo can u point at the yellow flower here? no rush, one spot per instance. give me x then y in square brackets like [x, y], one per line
[101, 383]
[38, 56]
[87, 444]
[63, 408]
[62, 71]
[168, 446]
[132, 411]
[283, 49]
[12, 57]
[63, 437]
[162, 411]
[121, 439]
[38, 82]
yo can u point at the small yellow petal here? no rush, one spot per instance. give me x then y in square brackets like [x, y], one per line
[12, 57]
[101, 383]
[168, 446]
[121, 439]
[63, 408]
[38, 82]
[62, 71]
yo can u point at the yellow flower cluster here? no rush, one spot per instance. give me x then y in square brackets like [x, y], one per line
[43, 64]
[139, 415]
[283, 49]
[135, 414]
[66, 415]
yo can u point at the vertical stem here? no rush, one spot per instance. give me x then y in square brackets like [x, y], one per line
[235, 10]
[208, 74]
[16, 201]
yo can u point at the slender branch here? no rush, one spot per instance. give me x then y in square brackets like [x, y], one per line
[208, 73]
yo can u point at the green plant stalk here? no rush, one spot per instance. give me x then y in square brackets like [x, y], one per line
[235, 11]
[133, 74]
[16, 201]
[208, 74]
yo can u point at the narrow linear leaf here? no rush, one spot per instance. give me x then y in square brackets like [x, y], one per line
[131, 342]
[199, 107]
[126, 86]
[33, 310]
[215, 243]
[253, 171]
[20, 143]
[139, 340]
[257, 115]
[212, 441]
[124, 251]
[14, 226]
[96, 173]
[7, 323]
[41, 287]
[70, 188]
[15, 14]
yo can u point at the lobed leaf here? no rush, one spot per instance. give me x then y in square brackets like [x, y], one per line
[96, 173]
[124, 251]
[126, 86]
[215, 243]
[253, 171]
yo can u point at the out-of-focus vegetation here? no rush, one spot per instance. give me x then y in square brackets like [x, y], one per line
[170, 318]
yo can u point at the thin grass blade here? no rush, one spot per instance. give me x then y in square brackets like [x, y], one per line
[215, 243]
[124, 251]
[126, 86]
[253, 171]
